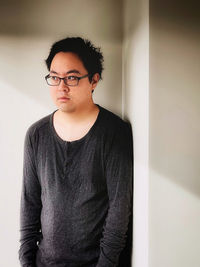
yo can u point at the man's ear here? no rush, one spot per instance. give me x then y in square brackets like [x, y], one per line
[95, 80]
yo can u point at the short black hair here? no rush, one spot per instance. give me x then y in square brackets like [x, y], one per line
[91, 56]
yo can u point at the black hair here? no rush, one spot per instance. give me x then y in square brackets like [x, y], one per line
[91, 56]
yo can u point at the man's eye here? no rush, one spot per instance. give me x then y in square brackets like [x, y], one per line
[54, 78]
[71, 78]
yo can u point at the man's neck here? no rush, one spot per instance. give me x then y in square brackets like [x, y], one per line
[78, 116]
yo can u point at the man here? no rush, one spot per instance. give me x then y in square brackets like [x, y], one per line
[77, 172]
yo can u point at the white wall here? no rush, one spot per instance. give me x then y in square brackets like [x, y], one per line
[136, 108]
[165, 117]
[27, 30]
[174, 183]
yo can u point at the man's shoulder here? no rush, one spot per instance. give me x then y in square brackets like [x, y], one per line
[116, 131]
[36, 126]
[112, 120]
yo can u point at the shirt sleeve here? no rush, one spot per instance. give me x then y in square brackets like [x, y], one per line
[119, 177]
[30, 207]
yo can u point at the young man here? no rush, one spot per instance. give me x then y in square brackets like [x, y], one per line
[77, 173]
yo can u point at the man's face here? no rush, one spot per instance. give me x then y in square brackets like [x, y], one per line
[80, 96]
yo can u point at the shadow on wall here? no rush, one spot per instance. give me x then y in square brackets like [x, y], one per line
[174, 92]
[41, 18]
[28, 29]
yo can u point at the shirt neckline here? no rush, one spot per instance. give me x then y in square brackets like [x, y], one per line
[62, 141]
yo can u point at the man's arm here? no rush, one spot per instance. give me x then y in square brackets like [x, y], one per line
[30, 207]
[119, 176]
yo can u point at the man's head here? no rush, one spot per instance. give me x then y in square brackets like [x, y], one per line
[75, 67]
[90, 55]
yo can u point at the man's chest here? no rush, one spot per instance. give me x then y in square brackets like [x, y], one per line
[71, 166]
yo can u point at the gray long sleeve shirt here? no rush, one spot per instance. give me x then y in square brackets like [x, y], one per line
[76, 196]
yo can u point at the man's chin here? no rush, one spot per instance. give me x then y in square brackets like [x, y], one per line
[66, 108]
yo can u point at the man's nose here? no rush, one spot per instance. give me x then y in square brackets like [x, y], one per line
[63, 86]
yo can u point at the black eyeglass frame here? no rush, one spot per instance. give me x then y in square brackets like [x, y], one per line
[64, 79]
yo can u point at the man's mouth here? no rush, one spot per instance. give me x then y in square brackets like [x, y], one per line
[63, 98]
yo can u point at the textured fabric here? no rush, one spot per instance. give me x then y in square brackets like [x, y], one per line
[76, 196]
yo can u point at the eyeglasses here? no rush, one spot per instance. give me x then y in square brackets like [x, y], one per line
[70, 80]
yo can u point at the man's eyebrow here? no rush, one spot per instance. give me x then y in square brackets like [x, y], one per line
[52, 71]
[73, 71]
[70, 71]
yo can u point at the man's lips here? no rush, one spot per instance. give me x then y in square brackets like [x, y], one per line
[63, 98]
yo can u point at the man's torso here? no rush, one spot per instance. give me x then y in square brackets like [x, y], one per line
[73, 191]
